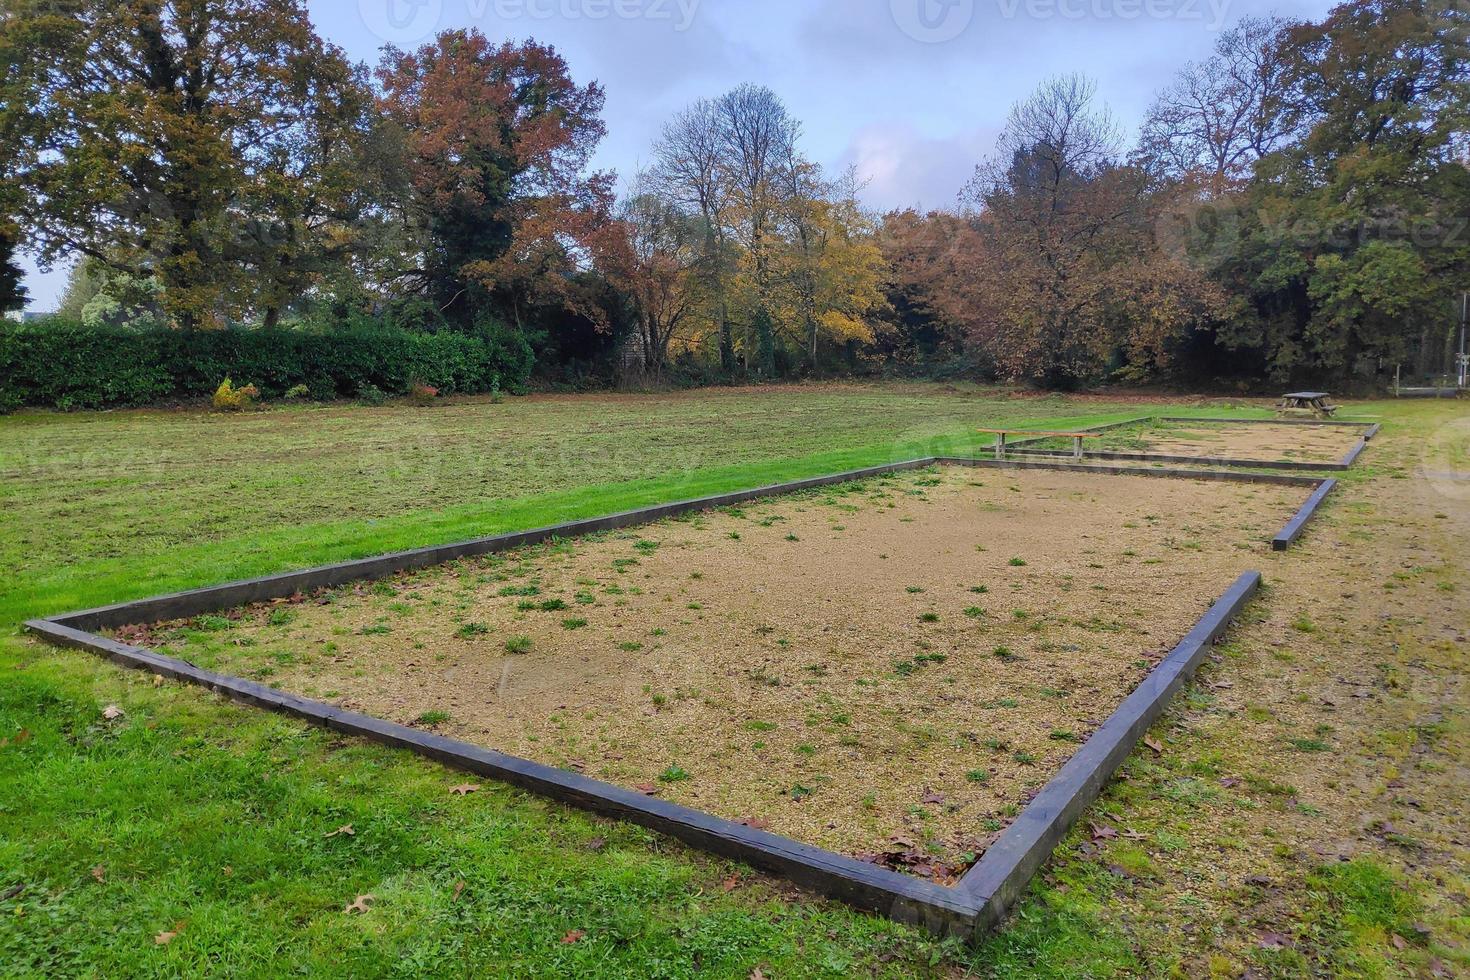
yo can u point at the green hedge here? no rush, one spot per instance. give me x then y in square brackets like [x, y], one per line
[66, 365]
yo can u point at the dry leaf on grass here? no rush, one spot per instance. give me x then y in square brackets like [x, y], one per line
[168, 935]
[360, 904]
[1102, 832]
[112, 712]
[99, 872]
[345, 830]
[458, 890]
[1158, 749]
[464, 789]
[572, 936]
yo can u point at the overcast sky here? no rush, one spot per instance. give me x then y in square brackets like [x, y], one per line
[913, 92]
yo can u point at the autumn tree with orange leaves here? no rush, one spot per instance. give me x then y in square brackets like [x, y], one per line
[498, 138]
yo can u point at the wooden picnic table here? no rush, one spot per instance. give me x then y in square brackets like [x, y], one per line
[1001, 434]
[1308, 401]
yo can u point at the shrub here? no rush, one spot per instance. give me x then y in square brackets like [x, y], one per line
[422, 394]
[63, 364]
[298, 392]
[228, 398]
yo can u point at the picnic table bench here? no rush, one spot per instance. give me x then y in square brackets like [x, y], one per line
[1002, 434]
[1308, 401]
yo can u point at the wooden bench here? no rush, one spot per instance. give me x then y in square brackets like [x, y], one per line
[1001, 434]
[1307, 401]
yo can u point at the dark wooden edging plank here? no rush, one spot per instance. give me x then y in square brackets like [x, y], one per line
[999, 878]
[976, 903]
[867, 886]
[1278, 479]
[1298, 523]
[1354, 453]
[1260, 464]
[1185, 418]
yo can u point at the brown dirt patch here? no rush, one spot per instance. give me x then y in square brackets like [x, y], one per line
[1262, 441]
[889, 666]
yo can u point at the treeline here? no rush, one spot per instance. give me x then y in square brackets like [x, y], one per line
[1294, 208]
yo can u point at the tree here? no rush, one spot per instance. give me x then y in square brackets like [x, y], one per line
[1353, 235]
[147, 135]
[1219, 116]
[689, 173]
[932, 284]
[1073, 282]
[757, 136]
[12, 291]
[660, 270]
[828, 277]
[498, 140]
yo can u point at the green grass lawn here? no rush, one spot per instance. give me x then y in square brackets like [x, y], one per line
[214, 823]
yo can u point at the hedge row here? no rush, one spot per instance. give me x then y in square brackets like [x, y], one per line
[66, 365]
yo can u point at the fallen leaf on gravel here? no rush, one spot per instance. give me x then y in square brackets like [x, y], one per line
[1158, 749]
[647, 789]
[1260, 881]
[1274, 940]
[360, 904]
[112, 712]
[1230, 782]
[345, 829]
[754, 823]
[937, 798]
[464, 789]
[573, 936]
[99, 872]
[1398, 942]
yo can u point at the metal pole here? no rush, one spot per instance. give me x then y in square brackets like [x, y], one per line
[1464, 361]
